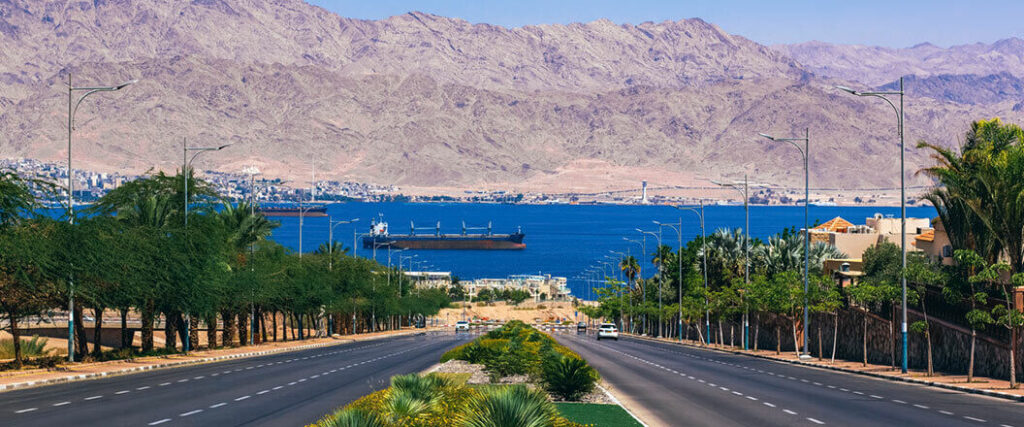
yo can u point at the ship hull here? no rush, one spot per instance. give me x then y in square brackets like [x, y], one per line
[455, 242]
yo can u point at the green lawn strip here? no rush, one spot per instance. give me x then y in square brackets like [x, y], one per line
[597, 415]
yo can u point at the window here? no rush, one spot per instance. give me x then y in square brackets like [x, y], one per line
[947, 251]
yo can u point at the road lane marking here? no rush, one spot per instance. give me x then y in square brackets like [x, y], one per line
[193, 412]
[917, 405]
[264, 392]
[93, 397]
[975, 419]
[217, 405]
[199, 377]
[278, 387]
[242, 398]
[945, 412]
[163, 384]
[770, 405]
[814, 420]
[159, 421]
[876, 396]
[62, 403]
[183, 380]
[789, 412]
[123, 392]
[751, 398]
[291, 383]
[142, 388]
[22, 411]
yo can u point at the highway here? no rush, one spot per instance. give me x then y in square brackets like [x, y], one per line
[283, 389]
[695, 387]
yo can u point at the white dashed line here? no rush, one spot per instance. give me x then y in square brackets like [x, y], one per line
[917, 405]
[22, 411]
[264, 392]
[62, 403]
[185, 414]
[199, 377]
[163, 384]
[123, 392]
[93, 397]
[160, 421]
[945, 412]
[217, 405]
[975, 419]
[278, 387]
[142, 388]
[242, 398]
[814, 420]
[183, 380]
[770, 405]
[789, 412]
[876, 396]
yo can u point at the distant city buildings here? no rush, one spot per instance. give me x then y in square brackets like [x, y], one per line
[540, 287]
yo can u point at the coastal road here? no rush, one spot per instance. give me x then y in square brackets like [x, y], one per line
[694, 387]
[284, 389]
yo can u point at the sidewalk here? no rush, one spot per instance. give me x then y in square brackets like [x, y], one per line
[980, 385]
[13, 380]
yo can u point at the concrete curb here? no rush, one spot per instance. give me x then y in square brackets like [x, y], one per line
[137, 369]
[618, 402]
[990, 393]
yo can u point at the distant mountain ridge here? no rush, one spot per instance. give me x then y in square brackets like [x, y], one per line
[424, 100]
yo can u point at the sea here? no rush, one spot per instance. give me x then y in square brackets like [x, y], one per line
[561, 240]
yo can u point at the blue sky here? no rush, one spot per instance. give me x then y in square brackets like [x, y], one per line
[893, 23]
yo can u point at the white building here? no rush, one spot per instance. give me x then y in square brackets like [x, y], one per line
[552, 288]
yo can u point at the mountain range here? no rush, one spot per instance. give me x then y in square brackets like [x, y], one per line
[426, 101]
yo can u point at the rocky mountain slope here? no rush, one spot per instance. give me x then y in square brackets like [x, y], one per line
[430, 101]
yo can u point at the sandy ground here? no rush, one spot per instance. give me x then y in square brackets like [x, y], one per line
[529, 312]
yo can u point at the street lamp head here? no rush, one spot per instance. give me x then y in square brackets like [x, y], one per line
[656, 222]
[847, 90]
[354, 220]
[126, 84]
[223, 146]
[767, 136]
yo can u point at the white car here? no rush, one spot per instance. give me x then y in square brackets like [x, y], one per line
[608, 330]
[461, 325]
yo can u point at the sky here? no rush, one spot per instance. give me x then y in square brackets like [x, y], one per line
[890, 23]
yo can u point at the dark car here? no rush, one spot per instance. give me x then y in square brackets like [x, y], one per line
[581, 327]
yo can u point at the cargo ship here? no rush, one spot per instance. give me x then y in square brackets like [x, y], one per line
[293, 210]
[379, 237]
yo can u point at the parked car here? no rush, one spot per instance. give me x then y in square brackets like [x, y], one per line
[461, 325]
[581, 327]
[608, 330]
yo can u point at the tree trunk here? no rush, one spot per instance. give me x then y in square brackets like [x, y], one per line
[1013, 357]
[721, 334]
[927, 335]
[865, 338]
[148, 315]
[211, 330]
[170, 339]
[835, 335]
[243, 329]
[820, 355]
[81, 343]
[757, 330]
[16, 335]
[778, 339]
[193, 332]
[261, 318]
[97, 332]
[796, 344]
[125, 340]
[732, 335]
[700, 336]
[970, 364]
[273, 319]
[228, 335]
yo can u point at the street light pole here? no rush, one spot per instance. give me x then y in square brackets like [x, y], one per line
[805, 153]
[903, 200]
[661, 278]
[330, 239]
[746, 249]
[72, 109]
[704, 254]
[186, 163]
[679, 262]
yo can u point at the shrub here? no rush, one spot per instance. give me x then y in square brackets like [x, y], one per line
[29, 348]
[352, 418]
[569, 378]
[515, 406]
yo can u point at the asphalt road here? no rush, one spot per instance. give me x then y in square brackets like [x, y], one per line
[685, 386]
[284, 389]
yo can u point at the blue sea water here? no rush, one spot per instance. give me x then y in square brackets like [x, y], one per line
[561, 240]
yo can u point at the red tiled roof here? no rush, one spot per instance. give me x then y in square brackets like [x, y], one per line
[837, 224]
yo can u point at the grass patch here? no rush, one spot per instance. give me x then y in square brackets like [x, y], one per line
[597, 415]
[456, 378]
